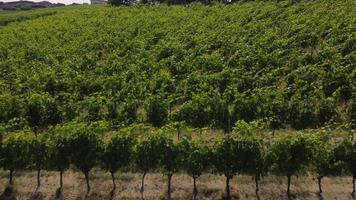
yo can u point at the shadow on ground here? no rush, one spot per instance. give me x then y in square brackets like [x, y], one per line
[8, 194]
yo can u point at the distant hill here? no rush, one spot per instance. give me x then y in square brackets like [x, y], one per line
[27, 5]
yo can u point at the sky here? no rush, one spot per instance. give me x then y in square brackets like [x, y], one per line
[55, 1]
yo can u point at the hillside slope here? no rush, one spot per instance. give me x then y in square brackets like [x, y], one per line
[293, 64]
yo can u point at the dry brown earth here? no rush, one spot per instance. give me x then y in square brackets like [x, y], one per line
[209, 186]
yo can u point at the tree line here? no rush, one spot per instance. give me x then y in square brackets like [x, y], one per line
[38, 111]
[179, 2]
[86, 146]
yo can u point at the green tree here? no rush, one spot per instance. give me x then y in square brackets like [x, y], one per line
[324, 159]
[196, 112]
[196, 159]
[38, 153]
[157, 112]
[239, 154]
[290, 154]
[346, 153]
[14, 153]
[60, 150]
[10, 107]
[86, 146]
[170, 159]
[147, 156]
[225, 159]
[41, 110]
[117, 153]
[252, 156]
[173, 128]
[250, 149]
[94, 108]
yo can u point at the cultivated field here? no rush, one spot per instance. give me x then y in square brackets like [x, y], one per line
[140, 87]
